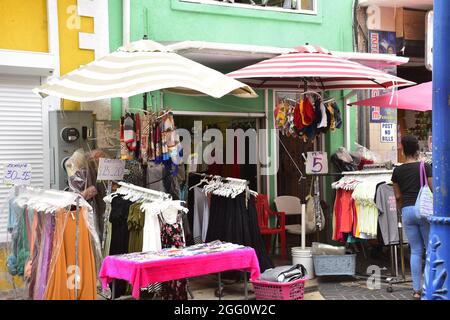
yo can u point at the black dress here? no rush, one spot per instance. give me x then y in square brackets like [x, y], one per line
[119, 234]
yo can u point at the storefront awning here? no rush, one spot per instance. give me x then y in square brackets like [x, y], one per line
[230, 57]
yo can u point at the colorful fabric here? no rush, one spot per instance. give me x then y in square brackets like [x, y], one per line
[307, 112]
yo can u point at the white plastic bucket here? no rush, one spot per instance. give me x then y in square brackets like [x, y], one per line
[304, 257]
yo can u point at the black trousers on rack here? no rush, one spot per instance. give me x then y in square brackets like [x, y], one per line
[232, 221]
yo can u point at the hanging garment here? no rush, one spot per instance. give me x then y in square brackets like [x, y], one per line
[172, 237]
[61, 284]
[324, 117]
[332, 121]
[232, 221]
[31, 265]
[136, 222]
[45, 255]
[201, 216]
[137, 127]
[129, 131]
[307, 112]
[152, 232]
[124, 152]
[17, 226]
[134, 173]
[155, 177]
[119, 235]
[388, 219]
[145, 135]
[337, 115]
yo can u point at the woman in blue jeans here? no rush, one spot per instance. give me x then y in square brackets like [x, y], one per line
[406, 179]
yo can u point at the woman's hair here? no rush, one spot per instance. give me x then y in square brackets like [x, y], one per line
[410, 146]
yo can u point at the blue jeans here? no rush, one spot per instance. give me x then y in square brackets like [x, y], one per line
[417, 231]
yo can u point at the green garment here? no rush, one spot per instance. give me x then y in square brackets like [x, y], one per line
[136, 220]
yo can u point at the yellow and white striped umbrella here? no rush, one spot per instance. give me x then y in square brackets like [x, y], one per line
[140, 67]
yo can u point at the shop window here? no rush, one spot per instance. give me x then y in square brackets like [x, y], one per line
[294, 6]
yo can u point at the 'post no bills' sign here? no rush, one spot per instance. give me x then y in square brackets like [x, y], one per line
[110, 169]
[388, 132]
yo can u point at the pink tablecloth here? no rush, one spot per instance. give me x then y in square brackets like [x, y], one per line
[141, 274]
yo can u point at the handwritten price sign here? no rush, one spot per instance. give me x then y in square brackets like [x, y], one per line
[17, 174]
[110, 169]
[317, 163]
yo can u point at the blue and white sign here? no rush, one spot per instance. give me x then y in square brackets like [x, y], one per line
[388, 132]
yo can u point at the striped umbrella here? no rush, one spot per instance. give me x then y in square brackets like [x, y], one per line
[317, 69]
[140, 67]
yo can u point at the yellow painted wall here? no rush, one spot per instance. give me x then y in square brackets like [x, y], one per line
[23, 25]
[71, 56]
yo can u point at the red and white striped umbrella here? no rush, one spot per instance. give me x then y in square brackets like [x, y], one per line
[317, 68]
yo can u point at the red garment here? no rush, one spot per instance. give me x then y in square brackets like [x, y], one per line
[363, 162]
[298, 117]
[346, 225]
[307, 112]
[338, 236]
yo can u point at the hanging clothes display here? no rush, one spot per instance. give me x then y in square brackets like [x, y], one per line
[308, 117]
[135, 217]
[45, 250]
[232, 215]
[358, 206]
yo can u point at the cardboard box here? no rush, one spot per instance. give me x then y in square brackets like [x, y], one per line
[410, 24]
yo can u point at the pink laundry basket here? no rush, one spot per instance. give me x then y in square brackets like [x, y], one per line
[294, 290]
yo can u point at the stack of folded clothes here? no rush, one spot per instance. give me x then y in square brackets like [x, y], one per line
[284, 274]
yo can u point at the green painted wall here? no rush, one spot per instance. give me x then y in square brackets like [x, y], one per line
[175, 20]
[115, 41]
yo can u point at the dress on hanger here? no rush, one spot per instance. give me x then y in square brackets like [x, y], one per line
[172, 237]
[61, 284]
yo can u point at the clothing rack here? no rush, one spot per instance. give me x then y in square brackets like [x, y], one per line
[246, 182]
[125, 185]
[76, 199]
[366, 172]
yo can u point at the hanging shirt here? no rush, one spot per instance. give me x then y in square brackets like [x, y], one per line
[324, 119]
[135, 221]
[201, 215]
[388, 220]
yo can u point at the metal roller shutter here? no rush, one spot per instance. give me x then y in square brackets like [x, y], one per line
[21, 133]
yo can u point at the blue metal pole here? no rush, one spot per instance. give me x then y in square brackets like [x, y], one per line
[437, 277]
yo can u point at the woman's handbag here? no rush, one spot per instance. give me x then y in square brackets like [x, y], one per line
[424, 202]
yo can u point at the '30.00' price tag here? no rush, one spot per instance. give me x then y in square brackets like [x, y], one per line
[17, 174]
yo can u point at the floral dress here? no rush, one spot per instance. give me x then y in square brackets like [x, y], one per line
[172, 237]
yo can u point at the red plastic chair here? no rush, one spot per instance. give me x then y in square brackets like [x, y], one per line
[264, 214]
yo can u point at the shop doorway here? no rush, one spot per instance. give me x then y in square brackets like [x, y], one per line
[249, 170]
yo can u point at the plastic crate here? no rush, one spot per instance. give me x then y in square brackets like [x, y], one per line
[329, 265]
[265, 290]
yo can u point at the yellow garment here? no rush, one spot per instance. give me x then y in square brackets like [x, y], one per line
[61, 284]
[281, 116]
[333, 121]
[357, 230]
